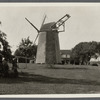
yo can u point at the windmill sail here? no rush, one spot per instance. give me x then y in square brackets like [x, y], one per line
[40, 27]
[32, 25]
[36, 38]
[61, 21]
[43, 20]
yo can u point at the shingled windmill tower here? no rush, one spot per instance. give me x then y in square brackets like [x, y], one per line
[48, 51]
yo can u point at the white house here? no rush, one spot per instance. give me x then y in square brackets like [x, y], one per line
[95, 60]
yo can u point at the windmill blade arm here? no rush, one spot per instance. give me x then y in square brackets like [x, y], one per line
[43, 20]
[36, 38]
[32, 25]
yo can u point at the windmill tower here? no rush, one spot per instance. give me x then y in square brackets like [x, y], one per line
[48, 50]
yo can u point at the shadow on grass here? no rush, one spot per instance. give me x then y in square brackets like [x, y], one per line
[25, 77]
[69, 68]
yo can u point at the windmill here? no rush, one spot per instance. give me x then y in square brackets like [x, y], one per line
[48, 50]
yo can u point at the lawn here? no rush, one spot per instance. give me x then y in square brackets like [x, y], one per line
[56, 79]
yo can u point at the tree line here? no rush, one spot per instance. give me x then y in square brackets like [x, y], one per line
[5, 48]
[26, 49]
[83, 51]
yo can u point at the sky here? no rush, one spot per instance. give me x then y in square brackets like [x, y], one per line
[82, 26]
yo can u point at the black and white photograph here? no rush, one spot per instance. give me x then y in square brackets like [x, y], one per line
[49, 48]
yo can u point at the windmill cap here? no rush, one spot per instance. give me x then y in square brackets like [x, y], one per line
[47, 27]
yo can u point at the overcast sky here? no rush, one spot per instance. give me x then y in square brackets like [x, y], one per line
[84, 24]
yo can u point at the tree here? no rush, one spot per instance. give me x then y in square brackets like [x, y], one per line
[4, 46]
[26, 48]
[83, 51]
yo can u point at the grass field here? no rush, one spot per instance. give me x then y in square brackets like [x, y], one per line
[60, 79]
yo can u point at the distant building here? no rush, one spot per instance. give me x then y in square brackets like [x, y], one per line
[65, 56]
[21, 59]
[95, 59]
